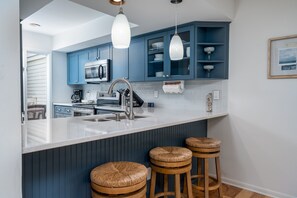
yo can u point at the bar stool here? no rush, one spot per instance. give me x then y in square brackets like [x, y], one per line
[204, 149]
[119, 179]
[171, 161]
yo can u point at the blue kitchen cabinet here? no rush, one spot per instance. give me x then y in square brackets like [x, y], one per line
[216, 36]
[72, 69]
[156, 56]
[136, 60]
[184, 69]
[159, 67]
[99, 52]
[76, 63]
[119, 63]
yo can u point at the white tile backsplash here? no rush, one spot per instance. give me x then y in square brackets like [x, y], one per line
[194, 95]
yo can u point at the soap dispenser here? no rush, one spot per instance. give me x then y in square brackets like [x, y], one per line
[209, 101]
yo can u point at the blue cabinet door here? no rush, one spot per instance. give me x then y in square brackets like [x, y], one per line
[83, 58]
[184, 69]
[104, 52]
[136, 60]
[99, 52]
[119, 66]
[93, 54]
[156, 56]
[72, 69]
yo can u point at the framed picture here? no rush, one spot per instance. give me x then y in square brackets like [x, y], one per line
[282, 57]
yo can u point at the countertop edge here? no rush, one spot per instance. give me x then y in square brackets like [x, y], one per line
[119, 133]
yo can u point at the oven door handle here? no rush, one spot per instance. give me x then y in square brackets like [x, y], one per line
[100, 72]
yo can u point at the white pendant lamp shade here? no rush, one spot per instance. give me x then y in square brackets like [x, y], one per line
[120, 32]
[176, 48]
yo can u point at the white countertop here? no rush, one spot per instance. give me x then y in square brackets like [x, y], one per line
[58, 132]
[68, 104]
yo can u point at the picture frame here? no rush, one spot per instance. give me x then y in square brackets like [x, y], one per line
[282, 57]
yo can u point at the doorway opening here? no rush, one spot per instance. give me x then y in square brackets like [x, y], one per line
[36, 87]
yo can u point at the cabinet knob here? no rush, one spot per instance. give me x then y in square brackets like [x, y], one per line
[68, 110]
[164, 76]
[167, 76]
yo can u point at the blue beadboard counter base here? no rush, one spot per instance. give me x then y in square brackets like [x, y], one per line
[46, 134]
[63, 172]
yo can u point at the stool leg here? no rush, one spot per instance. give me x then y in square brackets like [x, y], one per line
[218, 170]
[199, 169]
[189, 185]
[206, 179]
[165, 184]
[153, 184]
[177, 186]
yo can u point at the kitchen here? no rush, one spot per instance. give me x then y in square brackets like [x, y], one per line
[254, 119]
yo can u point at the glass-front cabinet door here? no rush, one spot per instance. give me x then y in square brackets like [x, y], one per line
[157, 57]
[159, 67]
[184, 68]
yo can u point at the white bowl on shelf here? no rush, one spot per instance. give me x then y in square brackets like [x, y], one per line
[159, 74]
[158, 45]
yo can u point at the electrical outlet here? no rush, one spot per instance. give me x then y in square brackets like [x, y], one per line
[149, 172]
[156, 94]
[216, 95]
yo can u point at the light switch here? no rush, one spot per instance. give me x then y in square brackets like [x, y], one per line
[156, 94]
[216, 95]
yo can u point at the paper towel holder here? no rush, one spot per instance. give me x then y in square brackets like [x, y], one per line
[177, 86]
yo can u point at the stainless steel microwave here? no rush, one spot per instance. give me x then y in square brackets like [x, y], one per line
[97, 71]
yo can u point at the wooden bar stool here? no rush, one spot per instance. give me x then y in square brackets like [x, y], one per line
[204, 149]
[119, 179]
[171, 161]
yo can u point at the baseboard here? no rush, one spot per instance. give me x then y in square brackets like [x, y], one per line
[253, 188]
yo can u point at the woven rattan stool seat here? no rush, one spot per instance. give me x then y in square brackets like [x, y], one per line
[170, 154]
[119, 174]
[203, 142]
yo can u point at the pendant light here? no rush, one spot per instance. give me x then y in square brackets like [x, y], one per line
[176, 48]
[120, 31]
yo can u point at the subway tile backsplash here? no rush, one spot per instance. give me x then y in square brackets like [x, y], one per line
[194, 95]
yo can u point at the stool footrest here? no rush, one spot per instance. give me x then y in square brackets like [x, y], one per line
[212, 186]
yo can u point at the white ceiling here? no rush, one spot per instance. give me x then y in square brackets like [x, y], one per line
[59, 16]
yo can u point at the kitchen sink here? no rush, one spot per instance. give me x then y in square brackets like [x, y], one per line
[110, 118]
[96, 120]
[123, 117]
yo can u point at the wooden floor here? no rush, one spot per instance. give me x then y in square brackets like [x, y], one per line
[233, 192]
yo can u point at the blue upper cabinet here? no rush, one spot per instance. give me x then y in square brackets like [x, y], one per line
[99, 53]
[184, 69]
[212, 47]
[72, 71]
[158, 63]
[76, 72]
[156, 56]
[136, 60]
[119, 64]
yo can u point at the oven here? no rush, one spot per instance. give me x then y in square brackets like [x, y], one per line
[83, 111]
[97, 71]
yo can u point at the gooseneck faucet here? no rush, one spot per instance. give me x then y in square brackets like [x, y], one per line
[130, 113]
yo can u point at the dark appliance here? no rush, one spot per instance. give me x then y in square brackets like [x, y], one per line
[77, 96]
[83, 110]
[137, 101]
[97, 71]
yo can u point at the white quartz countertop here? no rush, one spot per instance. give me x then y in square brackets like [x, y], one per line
[58, 132]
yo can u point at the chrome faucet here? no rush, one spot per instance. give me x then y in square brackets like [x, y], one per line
[130, 113]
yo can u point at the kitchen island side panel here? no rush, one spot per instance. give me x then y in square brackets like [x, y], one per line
[64, 172]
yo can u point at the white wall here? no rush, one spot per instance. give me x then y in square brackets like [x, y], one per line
[10, 123]
[259, 137]
[61, 92]
[37, 42]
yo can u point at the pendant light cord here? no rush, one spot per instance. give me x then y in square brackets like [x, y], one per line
[175, 16]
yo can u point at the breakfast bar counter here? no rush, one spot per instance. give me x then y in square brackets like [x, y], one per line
[40, 135]
[59, 154]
